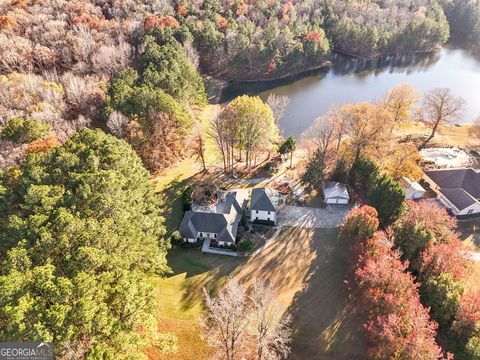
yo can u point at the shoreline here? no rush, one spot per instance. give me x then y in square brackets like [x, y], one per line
[325, 64]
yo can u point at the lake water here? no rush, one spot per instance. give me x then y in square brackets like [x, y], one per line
[355, 80]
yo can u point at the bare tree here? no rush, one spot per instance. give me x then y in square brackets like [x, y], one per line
[278, 104]
[268, 324]
[225, 319]
[199, 143]
[117, 122]
[192, 53]
[440, 107]
[322, 132]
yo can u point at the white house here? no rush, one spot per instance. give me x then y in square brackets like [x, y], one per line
[457, 189]
[219, 225]
[413, 190]
[335, 193]
[263, 206]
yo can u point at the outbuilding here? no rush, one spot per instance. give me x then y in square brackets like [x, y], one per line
[413, 190]
[335, 193]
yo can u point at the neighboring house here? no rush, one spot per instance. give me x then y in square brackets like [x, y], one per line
[413, 190]
[335, 193]
[263, 206]
[219, 224]
[457, 189]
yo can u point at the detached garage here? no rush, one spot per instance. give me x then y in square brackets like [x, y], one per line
[335, 193]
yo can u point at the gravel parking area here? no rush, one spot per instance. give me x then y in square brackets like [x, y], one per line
[313, 218]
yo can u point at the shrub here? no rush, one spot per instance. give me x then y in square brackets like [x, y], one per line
[245, 244]
[21, 131]
[176, 237]
[264, 222]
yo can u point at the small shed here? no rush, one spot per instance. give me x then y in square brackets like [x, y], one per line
[413, 190]
[335, 193]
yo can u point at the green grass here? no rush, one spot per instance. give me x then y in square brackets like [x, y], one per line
[180, 298]
[307, 267]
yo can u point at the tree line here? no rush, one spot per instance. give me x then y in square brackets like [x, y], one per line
[352, 131]
[410, 279]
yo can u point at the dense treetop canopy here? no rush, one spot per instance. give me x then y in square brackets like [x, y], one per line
[80, 230]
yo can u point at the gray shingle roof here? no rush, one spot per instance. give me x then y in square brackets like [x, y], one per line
[458, 197]
[460, 186]
[334, 189]
[224, 221]
[261, 201]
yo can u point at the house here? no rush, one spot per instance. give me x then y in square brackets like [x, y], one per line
[457, 189]
[335, 193]
[413, 190]
[263, 206]
[219, 224]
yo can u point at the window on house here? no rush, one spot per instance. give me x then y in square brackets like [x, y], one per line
[214, 236]
[269, 213]
[470, 211]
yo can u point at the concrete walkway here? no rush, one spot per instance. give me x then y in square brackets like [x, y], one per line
[207, 249]
[314, 218]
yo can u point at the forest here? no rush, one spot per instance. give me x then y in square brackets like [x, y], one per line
[129, 66]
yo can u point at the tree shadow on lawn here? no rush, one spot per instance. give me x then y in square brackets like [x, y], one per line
[201, 271]
[308, 266]
[326, 324]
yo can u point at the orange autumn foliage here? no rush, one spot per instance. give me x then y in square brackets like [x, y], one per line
[182, 10]
[222, 22]
[314, 36]
[153, 22]
[42, 145]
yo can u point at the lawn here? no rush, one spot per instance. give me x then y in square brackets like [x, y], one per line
[307, 267]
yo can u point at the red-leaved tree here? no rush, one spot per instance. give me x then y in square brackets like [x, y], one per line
[423, 224]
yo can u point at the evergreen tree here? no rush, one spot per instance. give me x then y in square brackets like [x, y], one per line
[314, 174]
[76, 248]
[388, 197]
[288, 146]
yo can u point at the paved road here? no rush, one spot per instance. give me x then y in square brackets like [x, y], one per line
[329, 217]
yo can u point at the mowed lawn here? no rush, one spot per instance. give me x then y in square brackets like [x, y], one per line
[307, 267]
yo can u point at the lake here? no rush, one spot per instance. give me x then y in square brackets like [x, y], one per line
[354, 80]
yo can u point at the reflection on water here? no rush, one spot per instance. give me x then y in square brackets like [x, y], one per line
[352, 80]
[343, 65]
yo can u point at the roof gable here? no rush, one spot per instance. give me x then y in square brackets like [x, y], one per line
[460, 186]
[261, 201]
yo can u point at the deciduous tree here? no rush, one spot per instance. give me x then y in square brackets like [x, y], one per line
[440, 107]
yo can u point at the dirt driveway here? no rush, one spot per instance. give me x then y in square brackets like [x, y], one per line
[312, 218]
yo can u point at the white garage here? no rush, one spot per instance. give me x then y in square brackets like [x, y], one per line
[262, 206]
[335, 193]
[413, 190]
